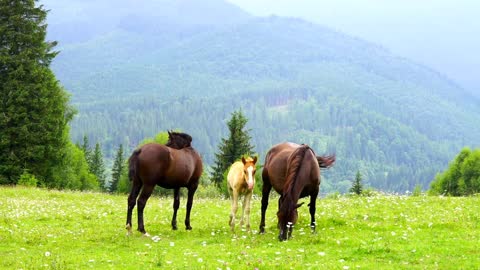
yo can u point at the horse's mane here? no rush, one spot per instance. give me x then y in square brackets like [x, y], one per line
[178, 140]
[295, 162]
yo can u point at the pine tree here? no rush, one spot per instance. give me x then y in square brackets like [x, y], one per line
[357, 187]
[86, 149]
[232, 148]
[34, 110]
[118, 168]
[97, 167]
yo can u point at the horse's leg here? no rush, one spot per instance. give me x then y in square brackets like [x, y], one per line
[176, 205]
[233, 212]
[265, 193]
[141, 202]
[279, 203]
[137, 185]
[246, 209]
[191, 192]
[313, 199]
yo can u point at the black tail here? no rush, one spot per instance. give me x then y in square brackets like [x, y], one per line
[132, 164]
[326, 161]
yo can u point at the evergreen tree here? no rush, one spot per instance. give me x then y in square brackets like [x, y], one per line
[86, 149]
[97, 167]
[119, 166]
[34, 110]
[232, 148]
[357, 186]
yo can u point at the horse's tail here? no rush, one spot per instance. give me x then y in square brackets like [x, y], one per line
[294, 163]
[133, 164]
[326, 161]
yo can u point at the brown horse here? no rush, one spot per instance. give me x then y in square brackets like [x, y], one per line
[240, 181]
[293, 170]
[172, 166]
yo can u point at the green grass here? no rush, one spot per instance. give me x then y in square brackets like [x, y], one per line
[42, 229]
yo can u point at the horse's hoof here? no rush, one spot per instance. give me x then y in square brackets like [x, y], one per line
[129, 229]
[174, 228]
[146, 234]
[189, 228]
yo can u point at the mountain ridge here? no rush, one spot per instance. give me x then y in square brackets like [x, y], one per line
[398, 121]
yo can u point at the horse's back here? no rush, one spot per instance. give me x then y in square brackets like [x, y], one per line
[169, 167]
[235, 173]
[276, 163]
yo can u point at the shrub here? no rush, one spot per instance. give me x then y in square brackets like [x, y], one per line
[27, 179]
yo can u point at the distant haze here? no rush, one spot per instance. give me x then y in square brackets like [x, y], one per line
[442, 34]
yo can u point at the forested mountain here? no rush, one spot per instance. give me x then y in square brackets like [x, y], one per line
[188, 64]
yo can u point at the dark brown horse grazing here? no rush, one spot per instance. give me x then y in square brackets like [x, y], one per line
[173, 166]
[293, 170]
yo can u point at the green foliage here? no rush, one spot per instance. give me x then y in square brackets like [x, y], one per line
[417, 191]
[462, 177]
[160, 138]
[124, 184]
[27, 179]
[357, 186]
[97, 166]
[232, 148]
[73, 172]
[399, 122]
[86, 149]
[119, 167]
[34, 110]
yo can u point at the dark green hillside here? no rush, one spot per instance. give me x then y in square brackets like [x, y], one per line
[397, 122]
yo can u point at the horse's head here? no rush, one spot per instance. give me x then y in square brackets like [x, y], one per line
[287, 217]
[178, 140]
[249, 170]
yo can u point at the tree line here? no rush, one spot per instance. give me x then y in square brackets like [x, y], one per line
[35, 118]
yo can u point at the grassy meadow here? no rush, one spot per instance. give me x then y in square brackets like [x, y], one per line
[47, 229]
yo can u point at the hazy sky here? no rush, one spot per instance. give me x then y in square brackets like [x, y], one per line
[443, 34]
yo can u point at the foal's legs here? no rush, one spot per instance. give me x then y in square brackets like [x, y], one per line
[233, 211]
[131, 204]
[176, 205]
[265, 193]
[141, 202]
[246, 210]
[191, 192]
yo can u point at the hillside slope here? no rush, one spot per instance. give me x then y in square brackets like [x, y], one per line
[397, 122]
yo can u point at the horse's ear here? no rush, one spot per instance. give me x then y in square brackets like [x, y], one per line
[298, 205]
[243, 160]
[255, 159]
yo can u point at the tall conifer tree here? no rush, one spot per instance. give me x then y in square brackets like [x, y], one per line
[118, 167]
[34, 110]
[97, 167]
[232, 148]
[86, 149]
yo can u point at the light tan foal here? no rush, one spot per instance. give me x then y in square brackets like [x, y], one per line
[240, 181]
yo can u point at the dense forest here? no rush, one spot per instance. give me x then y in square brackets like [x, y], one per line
[397, 122]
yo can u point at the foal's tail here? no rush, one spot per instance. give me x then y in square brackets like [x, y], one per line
[326, 161]
[133, 164]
